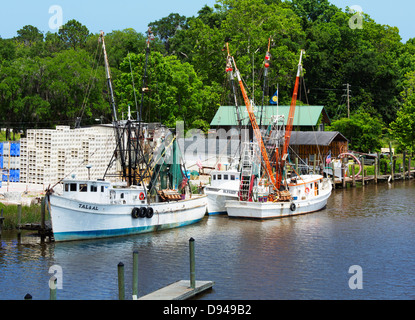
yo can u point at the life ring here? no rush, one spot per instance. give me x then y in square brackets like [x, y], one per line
[307, 190]
[134, 213]
[142, 212]
[141, 196]
[293, 206]
[150, 212]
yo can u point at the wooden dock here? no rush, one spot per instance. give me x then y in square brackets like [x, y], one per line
[180, 290]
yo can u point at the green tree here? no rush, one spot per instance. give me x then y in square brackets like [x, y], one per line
[363, 131]
[74, 34]
[403, 128]
[29, 35]
[175, 92]
[166, 28]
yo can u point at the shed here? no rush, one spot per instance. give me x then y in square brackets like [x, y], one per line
[321, 143]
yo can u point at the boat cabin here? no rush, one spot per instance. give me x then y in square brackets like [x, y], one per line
[301, 189]
[229, 179]
[103, 192]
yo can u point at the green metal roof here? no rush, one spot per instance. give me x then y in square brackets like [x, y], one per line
[304, 115]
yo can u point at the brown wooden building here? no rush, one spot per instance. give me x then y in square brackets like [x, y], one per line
[320, 143]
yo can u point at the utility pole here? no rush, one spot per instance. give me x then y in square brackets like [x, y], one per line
[348, 98]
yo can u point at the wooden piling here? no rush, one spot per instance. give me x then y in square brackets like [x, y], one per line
[192, 263]
[43, 220]
[362, 161]
[28, 296]
[353, 175]
[121, 283]
[1, 221]
[135, 275]
[19, 219]
[52, 288]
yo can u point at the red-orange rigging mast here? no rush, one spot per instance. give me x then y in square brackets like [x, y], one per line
[275, 180]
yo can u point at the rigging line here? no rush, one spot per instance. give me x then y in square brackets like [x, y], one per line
[89, 87]
[132, 79]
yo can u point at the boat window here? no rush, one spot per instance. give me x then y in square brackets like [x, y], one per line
[219, 177]
[232, 177]
[66, 187]
[311, 186]
[214, 177]
[122, 196]
[94, 188]
[83, 187]
[102, 188]
[225, 177]
[73, 187]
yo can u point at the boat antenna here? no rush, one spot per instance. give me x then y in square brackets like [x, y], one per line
[267, 61]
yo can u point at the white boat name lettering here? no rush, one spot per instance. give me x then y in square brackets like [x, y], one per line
[88, 207]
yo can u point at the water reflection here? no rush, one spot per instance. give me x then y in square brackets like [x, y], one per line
[304, 257]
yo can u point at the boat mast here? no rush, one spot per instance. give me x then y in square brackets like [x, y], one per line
[266, 65]
[114, 108]
[255, 126]
[290, 122]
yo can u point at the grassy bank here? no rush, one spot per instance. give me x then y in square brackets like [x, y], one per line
[29, 215]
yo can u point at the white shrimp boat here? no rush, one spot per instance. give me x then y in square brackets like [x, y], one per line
[224, 186]
[99, 209]
[269, 194]
[309, 193]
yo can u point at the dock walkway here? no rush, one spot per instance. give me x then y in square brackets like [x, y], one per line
[179, 290]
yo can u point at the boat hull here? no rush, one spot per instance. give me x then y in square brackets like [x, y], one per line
[272, 210]
[216, 201]
[77, 220]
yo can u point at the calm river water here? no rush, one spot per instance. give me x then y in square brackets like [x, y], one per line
[304, 257]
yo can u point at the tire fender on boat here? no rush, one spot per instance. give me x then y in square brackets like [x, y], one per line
[150, 212]
[293, 206]
[134, 213]
[142, 212]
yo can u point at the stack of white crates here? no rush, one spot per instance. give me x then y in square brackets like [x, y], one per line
[47, 156]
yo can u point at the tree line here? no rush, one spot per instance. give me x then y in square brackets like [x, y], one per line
[59, 78]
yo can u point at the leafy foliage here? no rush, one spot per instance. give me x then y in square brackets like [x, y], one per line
[52, 78]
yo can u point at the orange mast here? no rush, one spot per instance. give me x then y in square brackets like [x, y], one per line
[255, 126]
[290, 121]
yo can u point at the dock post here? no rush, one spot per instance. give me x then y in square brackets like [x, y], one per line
[409, 168]
[52, 286]
[362, 159]
[343, 172]
[43, 219]
[375, 169]
[28, 296]
[1, 221]
[404, 165]
[135, 274]
[121, 285]
[19, 218]
[314, 164]
[353, 175]
[192, 263]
